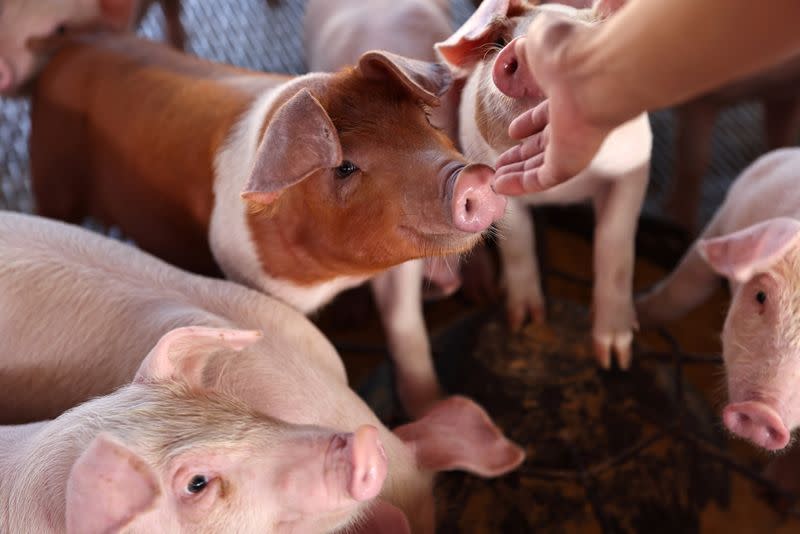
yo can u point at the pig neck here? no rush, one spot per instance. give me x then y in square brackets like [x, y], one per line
[298, 279]
[35, 461]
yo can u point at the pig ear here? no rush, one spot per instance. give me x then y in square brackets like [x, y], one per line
[299, 140]
[463, 46]
[605, 8]
[184, 353]
[383, 518]
[458, 434]
[118, 14]
[108, 487]
[743, 254]
[425, 80]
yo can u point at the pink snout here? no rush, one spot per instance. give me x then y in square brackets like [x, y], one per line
[369, 464]
[475, 204]
[511, 74]
[6, 76]
[757, 422]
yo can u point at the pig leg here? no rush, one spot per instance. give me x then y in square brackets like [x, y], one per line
[617, 213]
[398, 294]
[781, 122]
[176, 34]
[520, 266]
[688, 286]
[57, 174]
[695, 125]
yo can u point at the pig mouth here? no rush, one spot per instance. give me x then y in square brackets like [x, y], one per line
[494, 113]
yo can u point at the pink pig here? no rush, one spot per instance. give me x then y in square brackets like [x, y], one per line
[106, 304]
[752, 241]
[22, 21]
[170, 453]
[615, 182]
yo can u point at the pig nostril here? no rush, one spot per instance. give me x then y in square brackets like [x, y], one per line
[468, 206]
[742, 418]
[511, 67]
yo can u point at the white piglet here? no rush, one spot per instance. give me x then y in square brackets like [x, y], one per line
[170, 453]
[753, 241]
[106, 304]
[615, 181]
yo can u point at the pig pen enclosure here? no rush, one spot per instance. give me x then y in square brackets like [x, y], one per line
[637, 451]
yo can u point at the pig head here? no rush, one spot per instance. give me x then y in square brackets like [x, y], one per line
[22, 21]
[353, 178]
[761, 336]
[483, 49]
[173, 455]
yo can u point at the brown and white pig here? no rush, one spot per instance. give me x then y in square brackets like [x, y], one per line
[299, 187]
[78, 312]
[615, 181]
[170, 453]
[753, 241]
[22, 21]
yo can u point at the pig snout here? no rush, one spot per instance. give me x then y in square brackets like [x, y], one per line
[757, 422]
[369, 463]
[6, 76]
[475, 204]
[511, 74]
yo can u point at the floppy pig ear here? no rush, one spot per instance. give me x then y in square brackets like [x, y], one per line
[458, 434]
[183, 354]
[108, 487]
[743, 254]
[605, 8]
[460, 48]
[427, 81]
[118, 14]
[299, 140]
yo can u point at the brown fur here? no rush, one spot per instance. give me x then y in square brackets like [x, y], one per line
[96, 151]
[303, 221]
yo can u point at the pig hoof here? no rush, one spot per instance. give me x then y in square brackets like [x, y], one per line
[520, 307]
[616, 343]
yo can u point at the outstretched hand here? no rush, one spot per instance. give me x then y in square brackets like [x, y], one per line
[559, 140]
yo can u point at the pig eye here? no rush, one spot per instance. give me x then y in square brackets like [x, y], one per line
[500, 42]
[761, 297]
[345, 169]
[197, 484]
[61, 29]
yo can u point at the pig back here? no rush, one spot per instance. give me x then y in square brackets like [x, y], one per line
[81, 311]
[126, 131]
[766, 189]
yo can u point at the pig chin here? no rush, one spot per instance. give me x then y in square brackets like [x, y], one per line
[441, 244]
